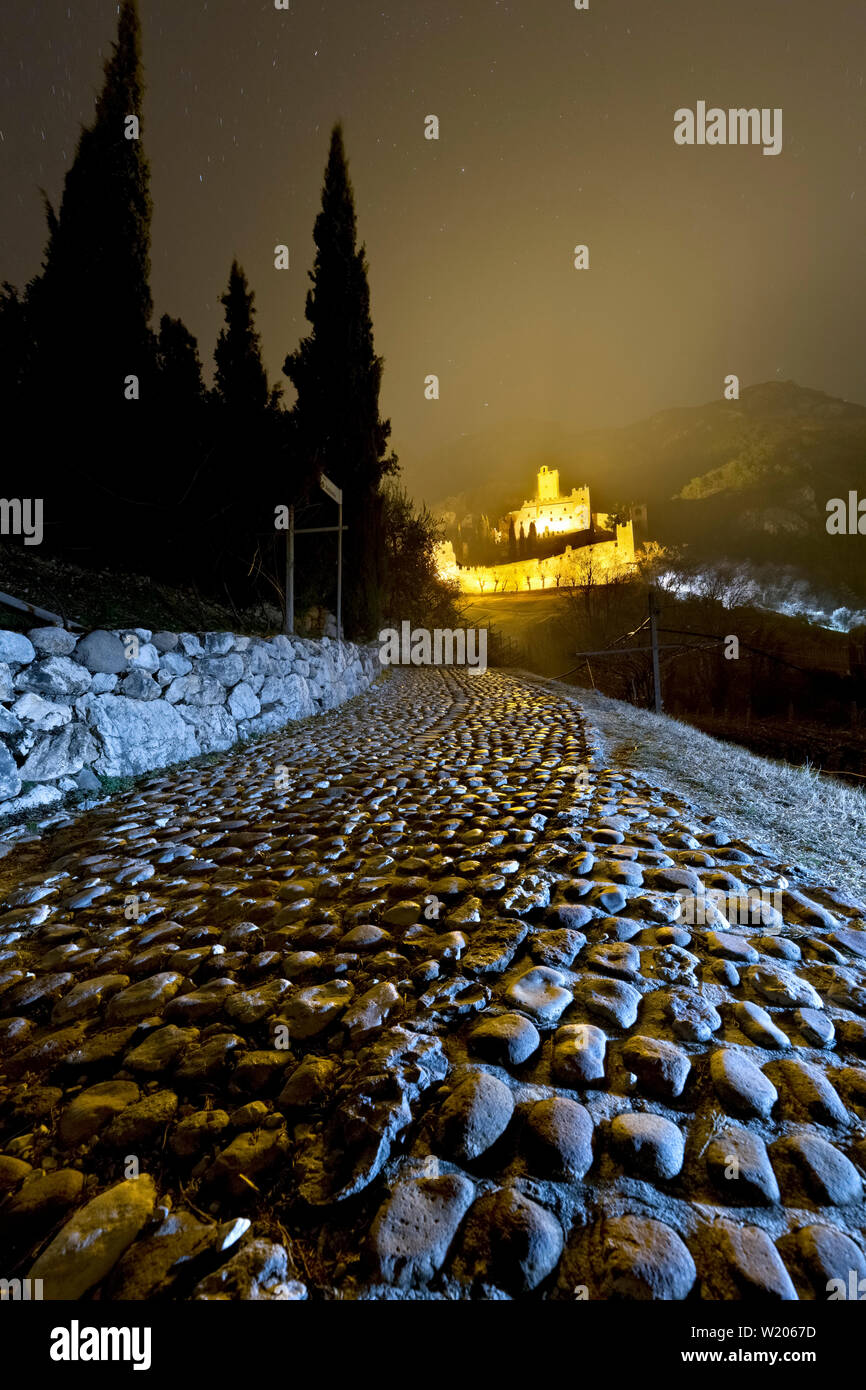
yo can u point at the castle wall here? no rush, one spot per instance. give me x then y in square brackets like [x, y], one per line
[551, 514]
[591, 563]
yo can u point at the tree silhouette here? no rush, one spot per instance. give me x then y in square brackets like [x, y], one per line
[178, 364]
[87, 360]
[240, 381]
[246, 424]
[337, 375]
[91, 305]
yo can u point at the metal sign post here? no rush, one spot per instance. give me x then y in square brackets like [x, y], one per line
[337, 494]
[289, 625]
[340, 573]
[654, 638]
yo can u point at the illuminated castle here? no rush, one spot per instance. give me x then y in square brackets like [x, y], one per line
[551, 513]
[595, 547]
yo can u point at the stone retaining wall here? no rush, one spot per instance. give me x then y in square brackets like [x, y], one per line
[116, 704]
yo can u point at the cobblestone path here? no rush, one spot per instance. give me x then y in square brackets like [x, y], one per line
[412, 1007]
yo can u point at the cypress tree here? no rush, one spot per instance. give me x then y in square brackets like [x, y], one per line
[88, 315]
[241, 382]
[179, 406]
[247, 428]
[178, 364]
[337, 375]
[512, 540]
[92, 303]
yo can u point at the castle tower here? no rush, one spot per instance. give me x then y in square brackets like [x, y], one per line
[625, 542]
[548, 484]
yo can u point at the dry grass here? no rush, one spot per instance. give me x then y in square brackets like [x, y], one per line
[104, 598]
[805, 816]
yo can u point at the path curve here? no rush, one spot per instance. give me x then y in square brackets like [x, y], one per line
[406, 1002]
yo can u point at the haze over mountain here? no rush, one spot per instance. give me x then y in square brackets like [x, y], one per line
[745, 480]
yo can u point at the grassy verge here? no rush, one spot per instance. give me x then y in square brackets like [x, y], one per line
[100, 598]
[806, 817]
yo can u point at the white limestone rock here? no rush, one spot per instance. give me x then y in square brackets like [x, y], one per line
[52, 641]
[16, 649]
[59, 755]
[134, 736]
[243, 703]
[215, 730]
[42, 715]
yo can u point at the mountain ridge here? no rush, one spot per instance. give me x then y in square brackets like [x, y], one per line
[732, 479]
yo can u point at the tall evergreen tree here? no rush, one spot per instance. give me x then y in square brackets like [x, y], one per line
[512, 540]
[241, 382]
[178, 364]
[247, 427]
[88, 314]
[337, 375]
[92, 303]
[180, 418]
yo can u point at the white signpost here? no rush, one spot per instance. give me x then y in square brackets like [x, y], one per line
[331, 489]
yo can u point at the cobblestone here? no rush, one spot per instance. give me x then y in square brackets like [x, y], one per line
[400, 956]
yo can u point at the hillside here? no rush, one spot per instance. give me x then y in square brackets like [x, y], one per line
[747, 480]
[103, 598]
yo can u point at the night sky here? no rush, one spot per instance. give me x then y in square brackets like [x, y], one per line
[556, 129]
